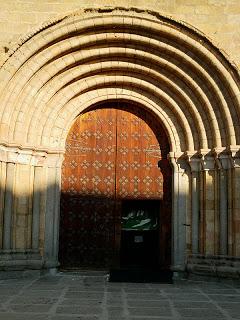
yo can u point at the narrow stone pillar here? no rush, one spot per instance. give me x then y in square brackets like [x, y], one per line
[49, 217]
[236, 205]
[195, 202]
[57, 213]
[179, 196]
[224, 162]
[208, 205]
[37, 191]
[22, 213]
[8, 206]
[52, 212]
[230, 187]
[2, 193]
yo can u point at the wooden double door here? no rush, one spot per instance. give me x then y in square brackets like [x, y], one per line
[115, 168]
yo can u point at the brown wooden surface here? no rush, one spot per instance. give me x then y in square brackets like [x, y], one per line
[111, 155]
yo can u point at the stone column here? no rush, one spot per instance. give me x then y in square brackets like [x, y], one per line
[37, 191]
[224, 166]
[236, 204]
[195, 202]
[179, 196]
[22, 213]
[29, 208]
[57, 211]
[52, 212]
[208, 205]
[8, 206]
[2, 194]
[230, 186]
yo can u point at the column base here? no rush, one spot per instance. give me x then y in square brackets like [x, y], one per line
[49, 272]
[20, 260]
[214, 266]
[25, 263]
[20, 264]
[179, 272]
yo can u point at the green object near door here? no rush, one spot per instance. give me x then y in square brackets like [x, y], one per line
[139, 220]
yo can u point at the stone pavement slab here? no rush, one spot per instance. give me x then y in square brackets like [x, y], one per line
[74, 296]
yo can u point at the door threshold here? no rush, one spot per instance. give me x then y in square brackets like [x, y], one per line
[140, 275]
[84, 272]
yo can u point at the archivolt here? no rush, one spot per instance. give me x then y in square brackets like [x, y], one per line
[85, 58]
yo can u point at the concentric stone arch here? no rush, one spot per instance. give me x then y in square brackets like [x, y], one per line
[165, 66]
[153, 56]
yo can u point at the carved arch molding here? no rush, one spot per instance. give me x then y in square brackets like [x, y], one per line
[163, 66]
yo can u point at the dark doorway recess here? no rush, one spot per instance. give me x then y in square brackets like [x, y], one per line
[141, 242]
[116, 165]
[140, 234]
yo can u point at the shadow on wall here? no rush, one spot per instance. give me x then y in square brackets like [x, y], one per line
[30, 224]
[29, 227]
[92, 234]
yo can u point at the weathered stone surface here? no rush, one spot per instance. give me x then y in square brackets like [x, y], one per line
[163, 65]
[219, 20]
[22, 305]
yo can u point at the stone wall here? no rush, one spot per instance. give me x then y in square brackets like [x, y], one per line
[218, 19]
[158, 64]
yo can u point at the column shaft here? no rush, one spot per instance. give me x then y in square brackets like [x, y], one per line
[50, 211]
[223, 212]
[57, 213]
[236, 211]
[179, 216]
[52, 217]
[195, 213]
[209, 212]
[209, 227]
[36, 207]
[2, 193]
[8, 206]
[230, 211]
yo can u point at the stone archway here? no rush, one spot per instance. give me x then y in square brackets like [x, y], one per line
[115, 166]
[59, 71]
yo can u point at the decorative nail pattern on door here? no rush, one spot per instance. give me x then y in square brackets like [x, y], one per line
[111, 154]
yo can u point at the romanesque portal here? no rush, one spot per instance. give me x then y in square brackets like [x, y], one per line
[154, 65]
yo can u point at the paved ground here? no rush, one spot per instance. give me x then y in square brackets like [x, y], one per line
[73, 297]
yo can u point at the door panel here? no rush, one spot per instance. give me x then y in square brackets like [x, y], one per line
[87, 235]
[138, 152]
[111, 155]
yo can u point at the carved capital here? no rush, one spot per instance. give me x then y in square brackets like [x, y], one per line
[207, 159]
[225, 161]
[178, 162]
[222, 158]
[194, 161]
[235, 162]
[234, 151]
[54, 161]
[30, 157]
[208, 163]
